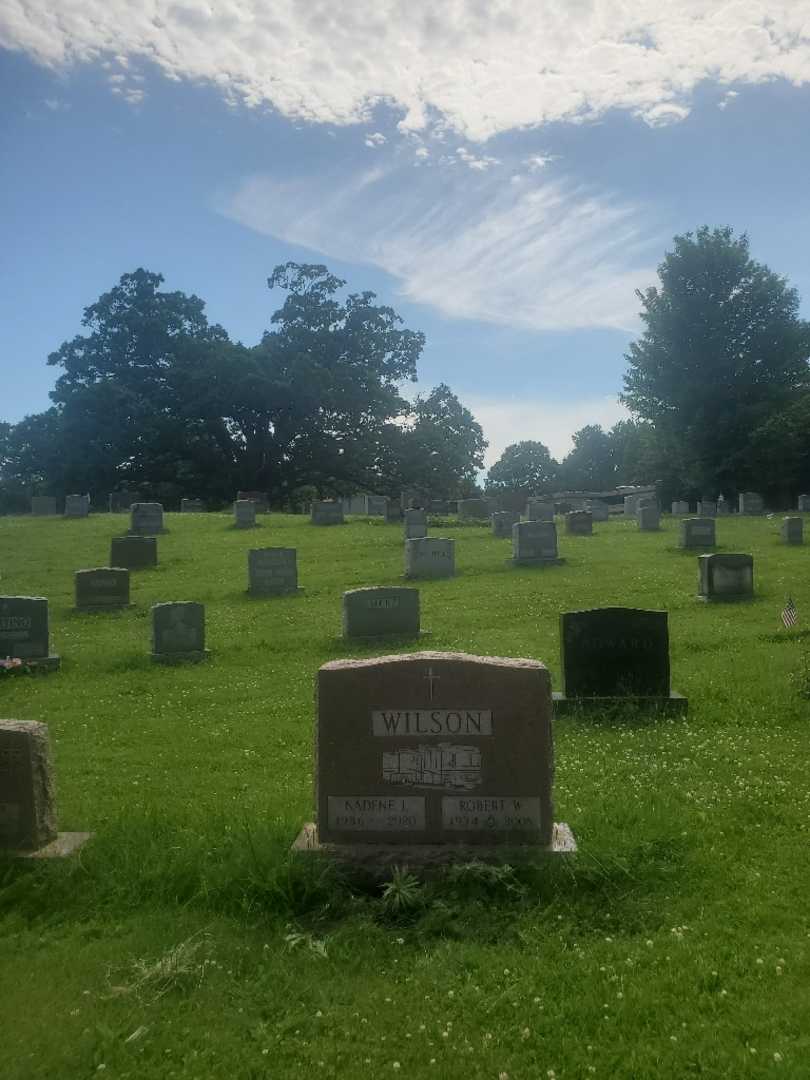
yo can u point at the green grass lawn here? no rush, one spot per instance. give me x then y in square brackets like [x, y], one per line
[185, 942]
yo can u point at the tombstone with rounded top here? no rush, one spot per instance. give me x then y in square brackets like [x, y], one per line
[272, 571]
[105, 588]
[24, 631]
[534, 543]
[380, 611]
[416, 525]
[326, 512]
[146, 519]
[77, 506]
[178, 632]
[430, 557]
[502, 523]
[792, 530]
[697, 533]
[134, 552]
[725, 577]
[244, 514]
[579, 523]
[649, 518]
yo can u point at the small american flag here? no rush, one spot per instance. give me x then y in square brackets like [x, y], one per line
[789, 614]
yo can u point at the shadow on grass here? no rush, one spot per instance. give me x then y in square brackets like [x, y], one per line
[785, 637]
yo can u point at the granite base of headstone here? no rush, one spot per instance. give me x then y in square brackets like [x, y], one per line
[28, 822]
[431, 758]
[534, 543]
[383, 611]
[77, 506]
[430, 557]
[724, 578]
[579, 523]
[503, 522]
[273, 572]
[134, 552]
[24, 632]
[697, 533]
[792, 530]
[102, 589]
[616, 657]
[178, 633]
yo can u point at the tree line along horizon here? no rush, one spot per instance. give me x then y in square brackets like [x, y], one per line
[156, 399]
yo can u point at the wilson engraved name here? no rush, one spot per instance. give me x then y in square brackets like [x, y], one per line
[404, 722]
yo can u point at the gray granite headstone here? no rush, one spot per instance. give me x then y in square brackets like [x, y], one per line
[415, 524]
[723, 508]
[649, 518]
[146, 519]
[102, 589]
[43, 505]
[27, 800]
[261, 498]
[134, 552]
[119, 502]
[707, 508]
[272, 571]
[473, 509]
[792, 530]
[534, 543]
[600, 511]
[430, 557]
[393, 512]
[630, 505]
[376, 505]
[539, 510]
[680, 507]
[325, 512]
[803, 504]
[750, 502]
[502, 522]
[579, 523]
[178, 632]
[192, 506]
[24, 631]
[725, 577]
[377, 612]
[697, 533]
[244, 514]
[77, 506]
[354, 504]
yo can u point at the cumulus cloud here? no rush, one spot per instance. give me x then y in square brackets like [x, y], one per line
[479, 68]
[541, 254]
[375, 139]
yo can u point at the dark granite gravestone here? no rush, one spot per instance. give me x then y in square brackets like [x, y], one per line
[697, 533]
[324, 512]
[803, 504]
[534, 543]
[433, 756]
[77, 506]
[473, 509]
[393, 512]
[192, 506]
[502, 522]
[725, 577]
[24, 631]
[649, 518]
[792, 530]
[119, 502]
[750, 502]
[261, 498]
[178, 632]
[377, 612]
[416, 524]
[244, 514]
[134, 552]
[539, 510]
[272, 571]
[613, 656]
[102, 589]
[579, 523]
[146, 519]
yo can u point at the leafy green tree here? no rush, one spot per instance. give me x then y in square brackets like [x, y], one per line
[779, 453]
[525, 466]
[723, 349]
[441, 450]
[589, 466]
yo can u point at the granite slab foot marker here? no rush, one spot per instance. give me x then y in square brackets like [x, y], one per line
[24, 631]
[178, 633]
[134, 552]
[616, 656]
[27, 799]
[273, 571]
[725, 577]
[432, 757]
[381, 611]
[104, 589]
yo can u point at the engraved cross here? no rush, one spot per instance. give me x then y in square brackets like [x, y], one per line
[431, 679]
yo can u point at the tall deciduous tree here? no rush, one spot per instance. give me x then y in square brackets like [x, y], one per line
[524, 466]
[442, 449]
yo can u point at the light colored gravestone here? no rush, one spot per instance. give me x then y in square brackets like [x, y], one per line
[534, 543]
[680, 508]
[751, 503]
[415, 524]
[792, 530]
[539, 510]
[502, 522]
[377, 612]
[723, 508]
[326, 513]
[272, 571]
[630, 505]
[649, 518]
[393, 512]
[803, 504]
[192, 506]
[707, 508]
[433, 757]
[261, 499]
[103, 589]
[77, 506]
[146, 519]
[473, 509]
[697, 533]
[725, 577]
[134, 552]
[579, 523]
[244, 514]
[614, 656]
[599, 511]
[178, 632]
[24, 631]
[119, 502]
[43, 505]
[430, 557]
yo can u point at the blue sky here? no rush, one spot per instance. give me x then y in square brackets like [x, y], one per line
[504, 174]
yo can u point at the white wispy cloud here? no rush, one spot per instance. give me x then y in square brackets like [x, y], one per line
[480, 68]
[535, 253]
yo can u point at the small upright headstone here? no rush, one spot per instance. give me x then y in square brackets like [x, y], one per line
[272, 571]
[630, 505]
[178, 632]
[244, 514]
[680, 507]
[697, 533]
[430, 557]
[803, 504]
[725, 577]
[534, 543]
[325, 512]
[502, 522]
[539, 510]
[134, 552]
[579, 523]
[750, 502]
[146, 519]
[24, 631]
[649, 518]
[723, 509]
[432, 757]
[376, 505]
[599, 510]
[103, 589]
[377, 612]
[616, 655]
[119, 502]
[77, 506]
[792, 530]
[473, 509]
[354, 504]
[393, 512]
[43, 505]
[192, 506]
[707, 508]
[415, 524]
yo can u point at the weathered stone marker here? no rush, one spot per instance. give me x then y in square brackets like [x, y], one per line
[77, 506]
[43, 505]
[430, 557]
[415, 524]
[680, 507]
[119, 502]
[599, 511]
[707, 508]
[613, 656]
[502, 522]
[134, 552]
[423, 755]
[326, 513]
[750, 502]
[244, 514]
[272, 571]
[579, 523]
[792, 530]
[192, 506]
[24, 631]
[377, 612]
[146, 519]
[539, 510]
[393, 512]
[649, 518]
[261, 498]
[697, 533]
[803, 504]
[103, 589]
[534, 543]
[725, 577]
[178, 632]
[376, 505]
[473, 509]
